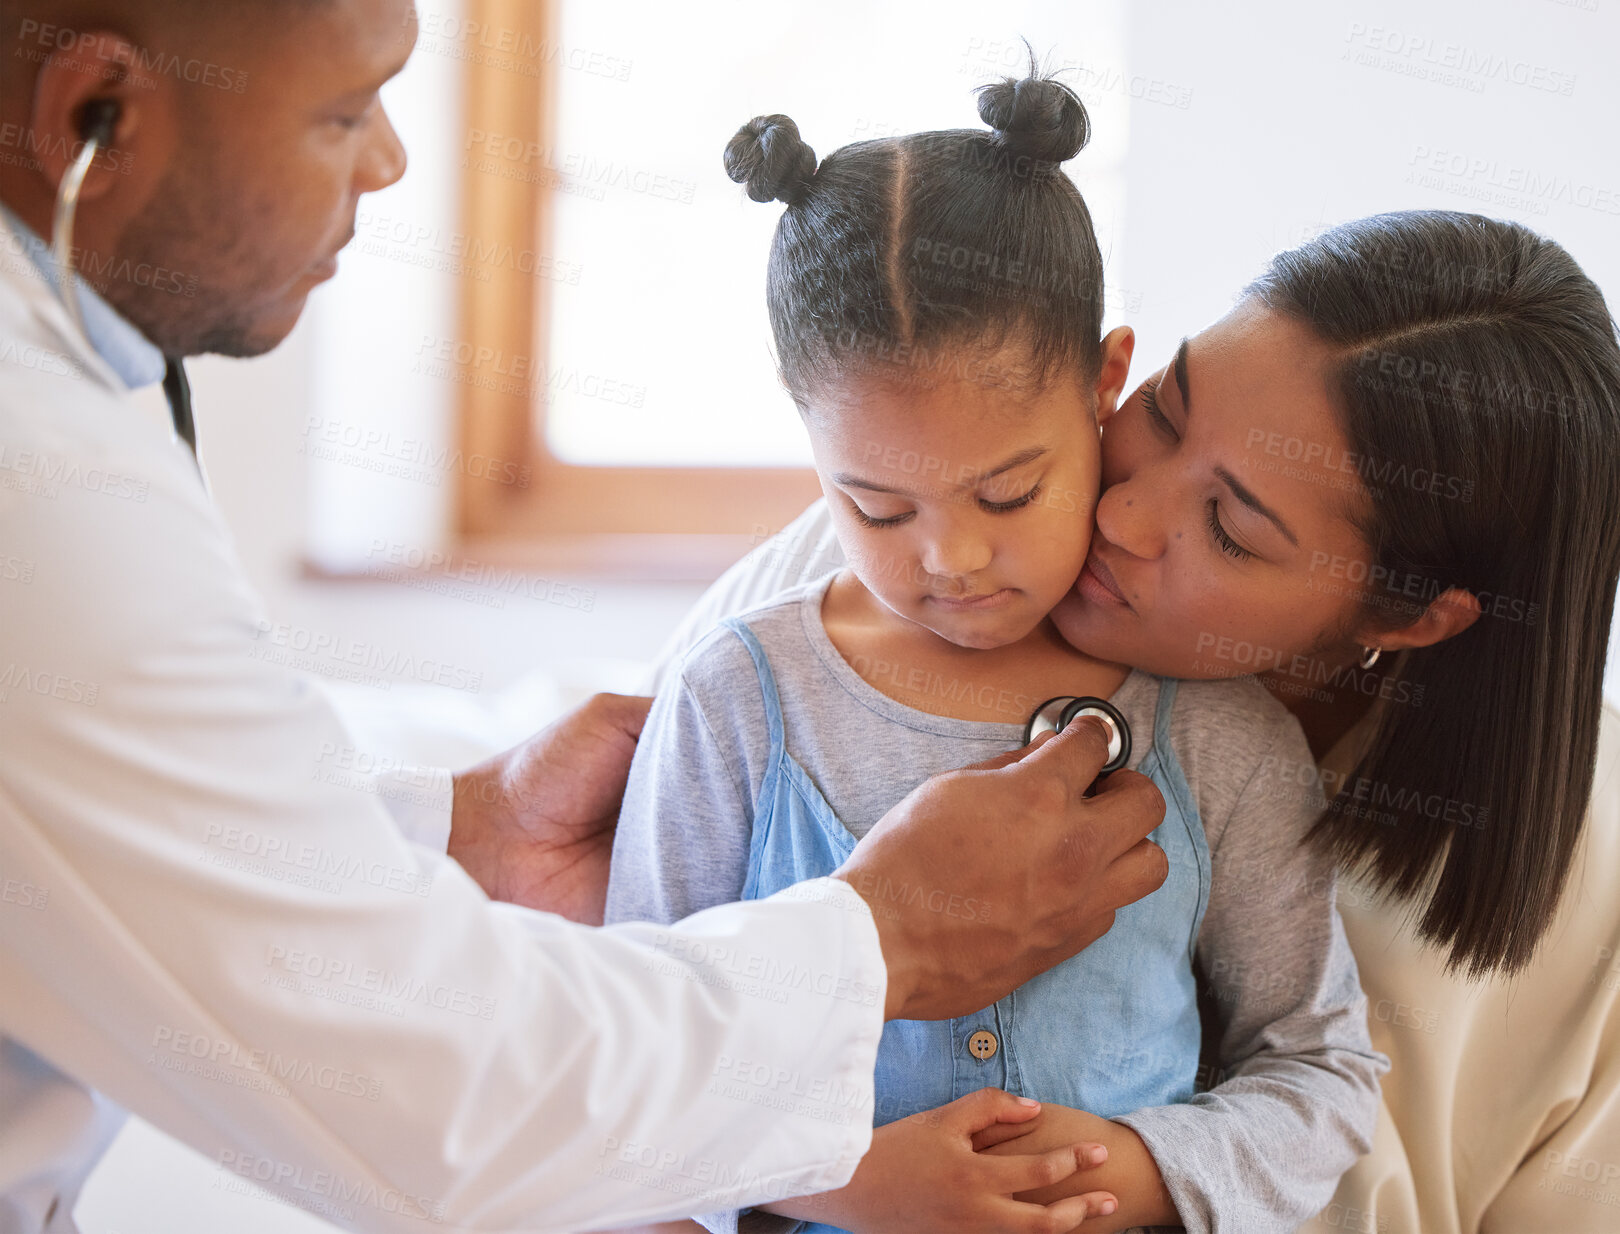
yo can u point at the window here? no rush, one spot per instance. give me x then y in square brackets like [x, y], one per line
[619, 365]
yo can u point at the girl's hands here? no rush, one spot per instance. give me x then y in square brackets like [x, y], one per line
[922, 1174]
[1131, 1174]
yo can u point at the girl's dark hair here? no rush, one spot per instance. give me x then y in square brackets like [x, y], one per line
[909, 252]
[1477, 372]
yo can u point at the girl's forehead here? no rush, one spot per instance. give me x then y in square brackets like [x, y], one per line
[986, 400]
[934, 446]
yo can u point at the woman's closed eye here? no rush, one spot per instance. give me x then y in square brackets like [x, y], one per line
[1150, 401]
[1223, 541]
[1217, 530]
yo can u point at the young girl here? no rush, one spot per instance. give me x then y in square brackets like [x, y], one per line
[936, 303]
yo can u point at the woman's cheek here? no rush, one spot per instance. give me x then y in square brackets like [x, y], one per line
[1197, 617]
[1121, 447]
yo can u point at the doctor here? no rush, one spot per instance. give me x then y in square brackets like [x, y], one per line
[199, 925]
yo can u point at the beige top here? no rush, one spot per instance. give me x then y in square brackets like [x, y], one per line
[1501, 1109]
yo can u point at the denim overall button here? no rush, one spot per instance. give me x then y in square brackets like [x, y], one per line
[982, 1045]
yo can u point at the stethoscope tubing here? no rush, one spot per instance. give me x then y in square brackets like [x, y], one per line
[67, 207]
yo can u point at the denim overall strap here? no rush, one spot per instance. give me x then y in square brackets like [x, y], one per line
[796, 835]
[1172, 779]
[767, 682]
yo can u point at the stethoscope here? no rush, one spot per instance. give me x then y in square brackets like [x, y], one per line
[1056, 714]
[96, 125]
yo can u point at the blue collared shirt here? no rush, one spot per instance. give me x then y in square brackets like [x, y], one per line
[127, 351]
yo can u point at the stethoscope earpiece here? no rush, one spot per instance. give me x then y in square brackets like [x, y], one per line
[96, 123]
[98, 119]
[1055, 714]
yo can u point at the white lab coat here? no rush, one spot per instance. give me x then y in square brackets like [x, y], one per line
[206, 919]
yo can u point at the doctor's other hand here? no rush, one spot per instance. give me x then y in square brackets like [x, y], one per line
[534, 826]
[986, 876]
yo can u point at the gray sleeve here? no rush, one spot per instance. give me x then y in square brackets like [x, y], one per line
[682, 841]
[1298, 1099]
[687, 819]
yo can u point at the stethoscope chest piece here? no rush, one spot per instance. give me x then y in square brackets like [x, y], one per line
[1055, 714]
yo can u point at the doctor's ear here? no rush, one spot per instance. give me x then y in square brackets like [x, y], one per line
[1114, 369]
[89, 87]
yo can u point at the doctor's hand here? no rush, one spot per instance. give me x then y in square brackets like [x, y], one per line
[534, 826]
[983, 877]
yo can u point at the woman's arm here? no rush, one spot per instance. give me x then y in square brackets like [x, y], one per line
[1297, 1097]
[1297, 1101]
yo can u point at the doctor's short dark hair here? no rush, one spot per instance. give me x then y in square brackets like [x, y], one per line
[1475, 350]
[915, 253]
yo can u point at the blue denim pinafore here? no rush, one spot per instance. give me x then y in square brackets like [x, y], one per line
[1110, 1030]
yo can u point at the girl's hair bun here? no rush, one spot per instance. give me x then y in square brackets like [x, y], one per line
[1038, 117]
[769, 158]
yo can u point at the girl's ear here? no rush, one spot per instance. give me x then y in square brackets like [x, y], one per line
[1114, 369]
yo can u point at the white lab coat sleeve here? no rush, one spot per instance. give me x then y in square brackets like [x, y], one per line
[420, 799]
[230, 938]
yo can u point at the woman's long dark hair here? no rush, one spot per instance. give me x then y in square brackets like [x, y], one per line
[908, 253]
[1477, 374]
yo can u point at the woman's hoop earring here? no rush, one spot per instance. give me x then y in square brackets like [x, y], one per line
[1369, 656]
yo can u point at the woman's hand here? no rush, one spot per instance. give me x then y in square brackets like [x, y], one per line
[1130, 1174]
[921, 1174]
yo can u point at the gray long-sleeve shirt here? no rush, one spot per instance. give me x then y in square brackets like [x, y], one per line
[1297, 1098]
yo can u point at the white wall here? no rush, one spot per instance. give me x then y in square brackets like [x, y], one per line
[1287, 131]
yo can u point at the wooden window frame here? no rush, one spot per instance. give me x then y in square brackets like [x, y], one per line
[530, 507]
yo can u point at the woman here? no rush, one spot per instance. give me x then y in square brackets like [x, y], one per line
[1389, 483]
